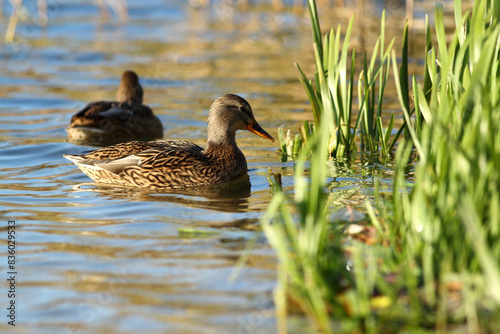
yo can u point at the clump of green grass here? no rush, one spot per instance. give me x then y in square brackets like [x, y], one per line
[436, 264]
[309, 262]
[314, 272]
[332, 90]
[448, 224]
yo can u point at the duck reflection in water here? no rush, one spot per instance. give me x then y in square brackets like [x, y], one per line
[231, 197]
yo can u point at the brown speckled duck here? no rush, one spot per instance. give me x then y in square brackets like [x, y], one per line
[111, 122]
[171, 164]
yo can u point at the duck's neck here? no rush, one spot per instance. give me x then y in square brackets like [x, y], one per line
[228, 144]
[130, 94]
[220, 137]
[221, 149]
[222, 145]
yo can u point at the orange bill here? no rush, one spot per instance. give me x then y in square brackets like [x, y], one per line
[255, 128]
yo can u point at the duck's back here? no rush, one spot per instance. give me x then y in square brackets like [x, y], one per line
[110, 122]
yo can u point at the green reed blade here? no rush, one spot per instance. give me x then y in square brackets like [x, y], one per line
[316, 110]
[389, 133]
[427, 65]
[440, 33]
[409, 127]
[402, 84]
[316, 29]
[380, 127]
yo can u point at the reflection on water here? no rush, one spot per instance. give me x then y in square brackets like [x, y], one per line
[98, 259]
[229, 197]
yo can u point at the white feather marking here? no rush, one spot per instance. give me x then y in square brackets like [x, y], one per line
[73, 158]
[118, 165]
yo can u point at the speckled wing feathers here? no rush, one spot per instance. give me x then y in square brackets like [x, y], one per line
[134, 147]
[174, 166]
[161, 164]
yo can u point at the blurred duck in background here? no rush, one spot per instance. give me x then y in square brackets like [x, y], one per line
[111, 122]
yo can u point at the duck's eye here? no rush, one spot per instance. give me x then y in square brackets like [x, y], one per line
[244, 109]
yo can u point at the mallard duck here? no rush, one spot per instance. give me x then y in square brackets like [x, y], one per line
[111, 122]
[172, 164]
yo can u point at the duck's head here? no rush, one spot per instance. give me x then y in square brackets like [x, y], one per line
[130, 89]
[228, 114]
